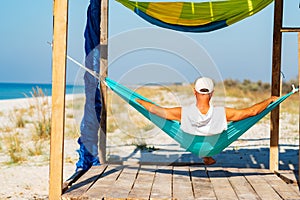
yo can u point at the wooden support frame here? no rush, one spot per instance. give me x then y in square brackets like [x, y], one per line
[289, 29]
[276, 81]
[103, 73]
[299, 101]
[60, 12]
[276, 84]
[59, 55]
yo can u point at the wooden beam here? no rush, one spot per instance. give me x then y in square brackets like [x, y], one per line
[299, 101]
[103, 72]
[60, 23]
[276, 73]
[290, 29]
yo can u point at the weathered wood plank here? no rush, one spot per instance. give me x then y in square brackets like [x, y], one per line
[299, 108]
[287, 175]
[290, 29]
[240, 185]
[68, 183]
[103, 184]
[84, 182]
[143, 184]
[202, 186]
[182, 186]
[276, 83]
[296, 188]
[259, 184]
[282, 188]
[121, 188]
[221, 184]
[180, 182]
[162, 184]
[60, 19]
[103, 71]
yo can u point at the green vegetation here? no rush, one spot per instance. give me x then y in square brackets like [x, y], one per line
[148, 127]
[37, 148]
[14, 147]
[111, 126]
[27, 131]
[71, 131]
[17, 119]
[6, 129]
[70, 115]
[247, 87]
[257, 91]
[145, 147]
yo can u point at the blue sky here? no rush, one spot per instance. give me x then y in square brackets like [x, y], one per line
[241, 51]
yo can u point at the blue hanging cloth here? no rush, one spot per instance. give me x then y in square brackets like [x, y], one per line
[88, 140]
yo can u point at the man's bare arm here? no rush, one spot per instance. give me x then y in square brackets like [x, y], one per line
[239, 114]
[167, 113]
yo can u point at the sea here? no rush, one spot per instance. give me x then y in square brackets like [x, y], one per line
[25, 90]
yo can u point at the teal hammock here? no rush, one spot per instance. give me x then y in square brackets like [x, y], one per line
[198, 145]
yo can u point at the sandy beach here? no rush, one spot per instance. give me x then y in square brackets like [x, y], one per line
[27, 177]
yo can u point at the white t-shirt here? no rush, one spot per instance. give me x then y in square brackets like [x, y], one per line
[196, 123]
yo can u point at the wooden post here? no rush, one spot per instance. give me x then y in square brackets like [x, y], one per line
[276, 68]
[103, 72]
[60, 21]
[299, 101]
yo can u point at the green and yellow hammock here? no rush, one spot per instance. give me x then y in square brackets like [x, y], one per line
[198, 145]
[195, 16]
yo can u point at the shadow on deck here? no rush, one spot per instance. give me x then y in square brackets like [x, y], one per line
[238, 174]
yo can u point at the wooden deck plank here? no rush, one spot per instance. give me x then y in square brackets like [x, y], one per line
[288, 176]
[182, 186]
[143, 183]
[202, 186]
[296, 188]
[121, 188]
[162, 184]
[84, 182]
[103, 184]
[68, 183]
[240, 185]
[180, 182]
[282, 188]
[221, 184]
[259, 184]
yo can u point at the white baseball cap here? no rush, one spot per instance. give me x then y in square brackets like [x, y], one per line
[204, 85]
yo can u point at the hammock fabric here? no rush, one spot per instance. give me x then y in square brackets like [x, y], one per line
[195, 16]
[198, 145]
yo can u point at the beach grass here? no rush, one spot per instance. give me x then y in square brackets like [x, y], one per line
[14, 146]
[42, 109]
[17, 118]
[37, 149]
[26, 131]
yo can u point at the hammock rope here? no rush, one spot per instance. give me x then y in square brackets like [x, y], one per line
[198, 145]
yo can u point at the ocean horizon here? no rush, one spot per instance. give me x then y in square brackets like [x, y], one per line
[25, 90]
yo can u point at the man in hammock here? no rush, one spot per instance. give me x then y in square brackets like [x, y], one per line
[202, 118]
